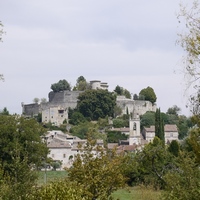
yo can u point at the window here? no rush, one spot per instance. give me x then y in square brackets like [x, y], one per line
[52, 155]
[171, 135]
[64, 155]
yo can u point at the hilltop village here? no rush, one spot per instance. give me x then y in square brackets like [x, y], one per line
[63, 146]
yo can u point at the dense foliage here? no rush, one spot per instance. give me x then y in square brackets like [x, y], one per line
[94, 104]
[97, 171]
[121, 91]
[61, 86]
[21, 150]
[148, 94]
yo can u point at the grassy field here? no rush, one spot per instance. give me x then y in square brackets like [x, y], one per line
[136, 193]
[51, 176]
[131, 193]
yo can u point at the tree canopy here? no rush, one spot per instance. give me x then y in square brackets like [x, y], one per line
[61, 85]
[97, 171]
[21, 150]
[148, 94]
[121, 91]
[96, 104]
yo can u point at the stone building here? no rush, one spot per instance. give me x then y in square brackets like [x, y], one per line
[95, 84]
[64, 147]
[139, 106]
[171, 133]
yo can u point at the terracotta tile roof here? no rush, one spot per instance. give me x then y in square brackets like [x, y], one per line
[56, 144]
[125, 129]
[171, 128]
[112, 145]
[150, 129]
[127, 147]
[168, 128]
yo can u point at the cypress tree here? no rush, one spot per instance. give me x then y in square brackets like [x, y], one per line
[159, 125]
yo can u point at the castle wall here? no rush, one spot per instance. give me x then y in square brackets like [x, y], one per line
[139, 106]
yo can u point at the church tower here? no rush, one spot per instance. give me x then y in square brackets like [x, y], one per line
[134, 125]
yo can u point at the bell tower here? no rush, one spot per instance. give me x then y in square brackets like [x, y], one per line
[134, 125]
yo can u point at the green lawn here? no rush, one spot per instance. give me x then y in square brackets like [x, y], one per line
[51, 176]
[136, 193]
[131, 193]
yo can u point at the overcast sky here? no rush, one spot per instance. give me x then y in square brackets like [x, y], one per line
[122, 42]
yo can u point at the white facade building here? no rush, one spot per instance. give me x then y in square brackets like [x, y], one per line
[64, 147]
[171, 133]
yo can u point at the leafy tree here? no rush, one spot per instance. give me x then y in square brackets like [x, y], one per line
[173, 110]
[149, 166]
[115, 136]
[36, 100]
[97, 171]
[118, 90]
[76, 118]
[21, 150]
[1, 31]
[148, 94]
[82, 129]
[183, 181]
[174, 148]
[60, 189]
[147, 119]
[121, 91]
[117, 111]
[4, 111]
[96, 104]
[127, 94]
[190, 41]
[118, 123]
[81, 84]
[43, 100]
[1, 77]
[135, 97]
[61, 86]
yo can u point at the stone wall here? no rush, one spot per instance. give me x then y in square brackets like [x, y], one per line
[138, 106]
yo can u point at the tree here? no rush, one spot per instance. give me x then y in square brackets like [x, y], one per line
[174, 148]
[118, 90]
[4, 111]
[182, 182]
[61, 86]
[59, 189]
[115, 136]
[147, 119]
[43, 100]
[1, 31]
[190, 41]
[174, 110]
[121, 91]
[96, 104]
[21, 151]
[135, 97]
[149, 166]
[36, 100]
[149, 94]
[159, 126]
[76, 118]
[97, 171]
[81, 84]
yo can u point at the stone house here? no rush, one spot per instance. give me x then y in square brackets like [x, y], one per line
[63, 147]
[171, 133]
